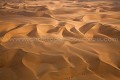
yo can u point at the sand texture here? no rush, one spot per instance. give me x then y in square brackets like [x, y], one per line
[59, 40]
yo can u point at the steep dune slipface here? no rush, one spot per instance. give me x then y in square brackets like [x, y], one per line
[59, 40]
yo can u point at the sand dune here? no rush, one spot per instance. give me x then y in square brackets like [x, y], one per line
[59, 40]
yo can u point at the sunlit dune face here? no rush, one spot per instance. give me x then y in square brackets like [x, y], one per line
[59, 40]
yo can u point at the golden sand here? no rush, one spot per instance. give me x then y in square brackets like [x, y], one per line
[59, 40]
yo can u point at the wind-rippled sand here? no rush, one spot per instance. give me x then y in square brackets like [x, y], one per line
[60, 40]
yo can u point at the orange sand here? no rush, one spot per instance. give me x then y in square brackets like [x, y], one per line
[57, 40]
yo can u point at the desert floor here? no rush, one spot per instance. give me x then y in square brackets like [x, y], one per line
[60, 40]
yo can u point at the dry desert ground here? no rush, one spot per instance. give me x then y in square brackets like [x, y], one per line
[59, 39]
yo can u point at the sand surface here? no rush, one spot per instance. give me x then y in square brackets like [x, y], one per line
[60, 40]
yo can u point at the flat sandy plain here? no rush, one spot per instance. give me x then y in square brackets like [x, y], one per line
[60, 40]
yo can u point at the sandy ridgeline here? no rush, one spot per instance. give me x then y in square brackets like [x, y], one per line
[59, 40]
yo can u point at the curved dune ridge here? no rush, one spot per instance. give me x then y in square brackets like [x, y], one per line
[59, 40]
